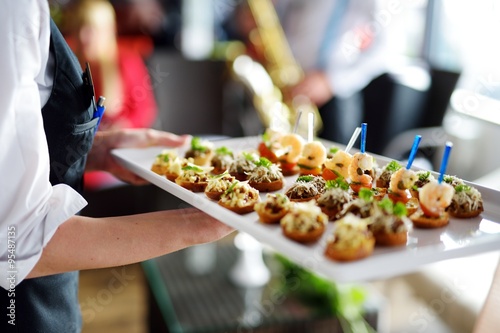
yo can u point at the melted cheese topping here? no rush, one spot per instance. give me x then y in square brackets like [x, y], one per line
[334, 197]
[304, 217]
[165, 157]
[389, 223]
[350, 232]
[358, 206]
[274, 203]
[220, 184]
[175, 166]
[472, 197]
[222, 161]
[421, 181]
[453, 180]
[302, 189]
[242, 165]
[162, 161]
[240, 195]
[194, 176]
[263, 174]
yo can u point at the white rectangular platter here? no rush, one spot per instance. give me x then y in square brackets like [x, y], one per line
[462, 237]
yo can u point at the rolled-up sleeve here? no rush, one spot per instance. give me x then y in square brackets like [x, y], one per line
[31, 209]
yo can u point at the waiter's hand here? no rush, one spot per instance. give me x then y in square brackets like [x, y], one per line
[100, 158]
[315, 85]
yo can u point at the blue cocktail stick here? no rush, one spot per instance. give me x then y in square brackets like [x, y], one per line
[413, 151]
[444, 161]
[363, 137]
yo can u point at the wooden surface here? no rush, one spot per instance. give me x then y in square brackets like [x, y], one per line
[114, 300]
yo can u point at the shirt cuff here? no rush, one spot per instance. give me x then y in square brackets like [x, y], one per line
[24, 251]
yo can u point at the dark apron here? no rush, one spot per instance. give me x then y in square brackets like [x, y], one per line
[50, 304]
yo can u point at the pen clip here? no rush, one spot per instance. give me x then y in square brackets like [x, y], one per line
[87, 80]
[100, 101]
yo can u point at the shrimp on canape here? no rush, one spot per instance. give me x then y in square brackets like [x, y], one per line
[291, 148]
[400, 184]
[270, 144]
[434, 199]
[361, 171]
[291, 145]
[312, 158]
[337, 165]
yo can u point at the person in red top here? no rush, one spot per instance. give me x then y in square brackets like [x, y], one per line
[137, 106]
[119, 73]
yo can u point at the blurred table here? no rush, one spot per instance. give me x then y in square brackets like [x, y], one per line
[183, 300]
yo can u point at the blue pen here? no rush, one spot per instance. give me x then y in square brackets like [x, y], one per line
[99, 110]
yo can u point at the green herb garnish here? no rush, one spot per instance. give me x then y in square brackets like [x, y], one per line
[302, 166]
[266, 137]
[220, 175]
[462, 188]
[337, 183]
[223, 151]
[263, 162]
[424, 175]
[231, 188]
[393, 166]
[164, 157]
[366, 194]
[448, 179]
[387, 205]
[306, 178]
[333, 150]
[399, 209]
[196, 144]
[191, 167]
[248, 156]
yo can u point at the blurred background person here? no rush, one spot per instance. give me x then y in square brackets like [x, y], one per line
[118, 70]
[161, 20]
[341, 48]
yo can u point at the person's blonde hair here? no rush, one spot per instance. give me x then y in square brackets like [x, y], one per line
[87, 12]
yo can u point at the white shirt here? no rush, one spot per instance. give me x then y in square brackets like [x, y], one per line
[349, 66]
[30, 207]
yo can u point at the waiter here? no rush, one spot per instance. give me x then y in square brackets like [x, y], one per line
[47, 128]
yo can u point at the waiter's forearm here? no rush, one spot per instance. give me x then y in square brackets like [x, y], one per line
[88, 243]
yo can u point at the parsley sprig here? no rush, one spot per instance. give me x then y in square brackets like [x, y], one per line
[337, 183]
[398, 209]
[306, 178]
[223, 151]
[393, 166]
[462, 188]
[192, 167]
[366, 194]
[263, 162]
[197, 144]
